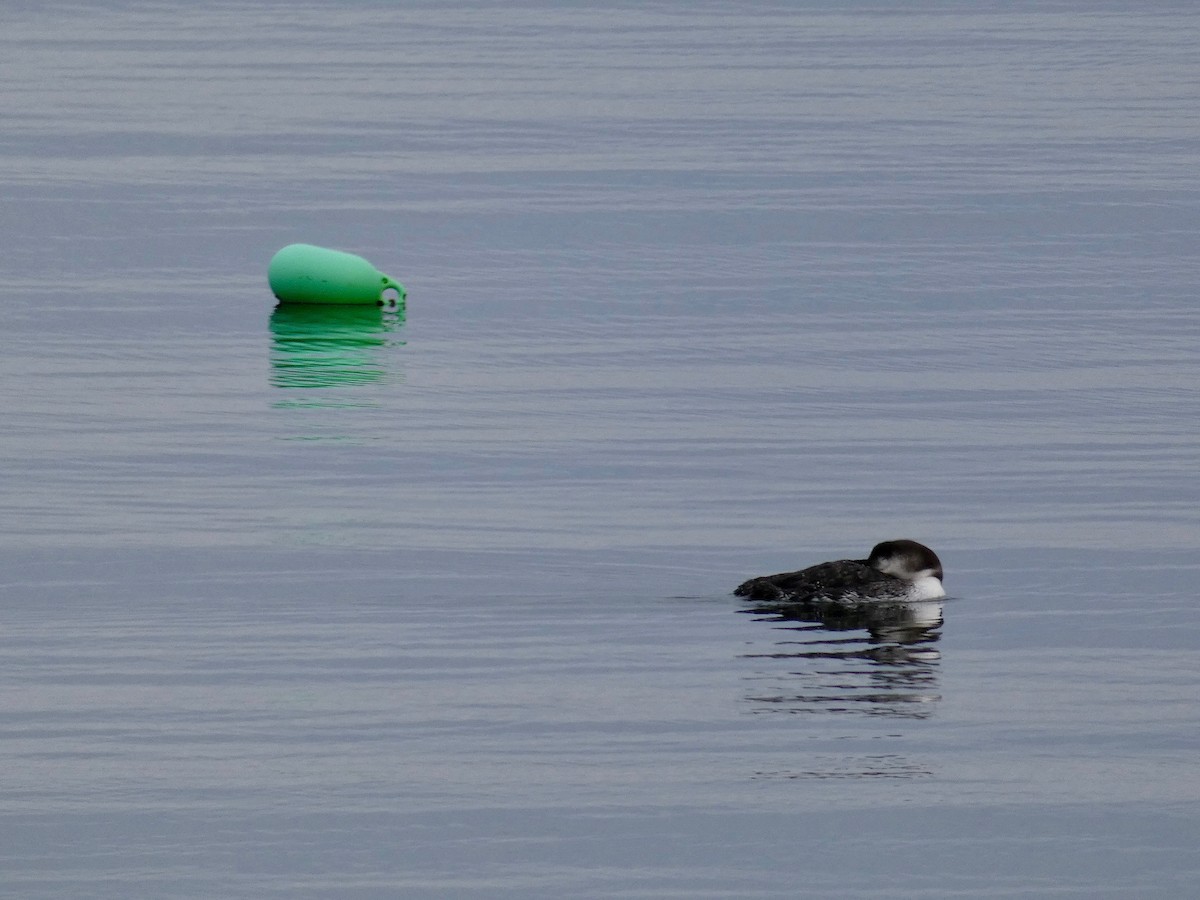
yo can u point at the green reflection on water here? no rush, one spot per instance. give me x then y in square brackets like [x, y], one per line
[332, 346]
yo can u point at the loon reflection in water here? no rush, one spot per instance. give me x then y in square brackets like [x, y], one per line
[890, 671]
[896, 624]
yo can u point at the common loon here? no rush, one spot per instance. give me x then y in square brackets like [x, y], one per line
[899, 571]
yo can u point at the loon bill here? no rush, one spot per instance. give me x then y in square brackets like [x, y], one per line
[900, 571]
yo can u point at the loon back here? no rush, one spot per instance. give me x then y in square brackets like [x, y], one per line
[831, 580]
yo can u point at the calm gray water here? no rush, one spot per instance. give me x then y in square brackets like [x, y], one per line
[313, 605]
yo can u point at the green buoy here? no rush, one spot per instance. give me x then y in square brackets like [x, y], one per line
[303, 273]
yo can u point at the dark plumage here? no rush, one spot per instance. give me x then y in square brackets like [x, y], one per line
[895, 570]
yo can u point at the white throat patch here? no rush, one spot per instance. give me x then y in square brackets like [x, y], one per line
[927, 587]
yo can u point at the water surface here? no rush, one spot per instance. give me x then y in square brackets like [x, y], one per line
[436, 603]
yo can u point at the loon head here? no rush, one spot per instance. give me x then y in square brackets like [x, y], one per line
[906, 560]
